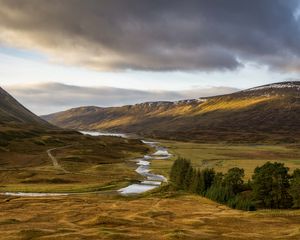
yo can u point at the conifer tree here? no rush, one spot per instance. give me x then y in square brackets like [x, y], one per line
[233, 180]
[295, 188]
[174, 170]
[270, 186]
[196, 182]
[181, 173]
[207, 178]
[188, 177]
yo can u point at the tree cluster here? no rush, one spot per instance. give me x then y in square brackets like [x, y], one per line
[271, 185]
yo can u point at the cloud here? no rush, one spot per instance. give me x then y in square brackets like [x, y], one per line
[52, 97]
[193, 35]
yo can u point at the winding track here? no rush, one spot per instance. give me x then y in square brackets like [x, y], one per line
[54, 159]
[59, 167]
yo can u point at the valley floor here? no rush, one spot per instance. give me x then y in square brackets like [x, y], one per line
[71, 163]
[222, 156]
[94, 165]
[152, 217]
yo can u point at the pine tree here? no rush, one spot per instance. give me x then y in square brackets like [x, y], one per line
[233, 180]
[188, 177]
[218, 191]
[196, 182]
[270, 186]
[295, 188]
[174, 170]
[181, 173]
[207, 178]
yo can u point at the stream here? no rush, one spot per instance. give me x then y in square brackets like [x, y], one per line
[150, 181]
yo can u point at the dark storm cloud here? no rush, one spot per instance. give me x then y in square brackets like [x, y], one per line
[157, 35]
[53, 97]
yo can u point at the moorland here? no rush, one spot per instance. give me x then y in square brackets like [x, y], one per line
[39, 157]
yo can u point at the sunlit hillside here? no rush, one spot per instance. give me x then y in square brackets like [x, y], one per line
[267, 112]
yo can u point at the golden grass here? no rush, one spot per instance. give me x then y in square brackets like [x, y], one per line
[91, 164]
[232, 104]
[190, 110]
[222, 157]
[209, 106]
[108, 217]
[151, 216]
[114, 123]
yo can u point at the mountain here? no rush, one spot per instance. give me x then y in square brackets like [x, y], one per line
[265, 113]
[27, 143]
[13, 114]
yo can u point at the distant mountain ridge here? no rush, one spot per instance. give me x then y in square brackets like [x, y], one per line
[269, 112]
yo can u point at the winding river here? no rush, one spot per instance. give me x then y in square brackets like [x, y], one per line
[150, 181]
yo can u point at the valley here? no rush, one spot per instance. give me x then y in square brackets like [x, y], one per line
[37, 157]
[84, 186]
[149, 120]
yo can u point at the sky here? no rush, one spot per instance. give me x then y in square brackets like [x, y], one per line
[59, 54]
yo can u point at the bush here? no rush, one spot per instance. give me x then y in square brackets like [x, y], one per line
[219, 193]
[3, 143]
[242, 203]
[39, 142]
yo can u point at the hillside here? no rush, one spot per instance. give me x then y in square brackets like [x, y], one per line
[13, 114]
[269, 112]
[39, 157]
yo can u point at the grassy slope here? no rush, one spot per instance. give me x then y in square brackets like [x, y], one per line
[92, 163]
[262, 115]
[14, 115]
[154, 217]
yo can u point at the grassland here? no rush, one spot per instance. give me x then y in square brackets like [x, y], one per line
[90, 163]
[102, 164]
[222, 157]
[156, 217]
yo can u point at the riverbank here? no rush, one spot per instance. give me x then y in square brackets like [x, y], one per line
[149, 180]
[91, 164]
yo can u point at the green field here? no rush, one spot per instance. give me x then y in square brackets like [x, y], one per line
[222, 157]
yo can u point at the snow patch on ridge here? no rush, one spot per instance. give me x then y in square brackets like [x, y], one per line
[275, 86]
